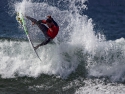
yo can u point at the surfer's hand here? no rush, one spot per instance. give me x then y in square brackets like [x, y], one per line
[33, 23]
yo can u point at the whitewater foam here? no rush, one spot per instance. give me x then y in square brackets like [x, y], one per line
[76, 34]
[99, 87]
[59, 59]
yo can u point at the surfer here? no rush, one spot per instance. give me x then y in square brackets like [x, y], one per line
[50, 31]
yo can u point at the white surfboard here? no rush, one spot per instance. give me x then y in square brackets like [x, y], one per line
[21, 20]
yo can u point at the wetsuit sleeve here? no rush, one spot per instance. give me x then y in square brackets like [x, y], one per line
[41, 21]
[44, 21]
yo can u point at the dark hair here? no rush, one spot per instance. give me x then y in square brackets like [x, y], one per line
[48, 20]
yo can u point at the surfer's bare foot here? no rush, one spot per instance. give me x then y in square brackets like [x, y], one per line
[33, 23]
[36, 47]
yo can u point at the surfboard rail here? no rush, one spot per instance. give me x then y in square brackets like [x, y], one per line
[21, 20]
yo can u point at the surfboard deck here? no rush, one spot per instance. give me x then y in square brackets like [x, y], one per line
[21, 20]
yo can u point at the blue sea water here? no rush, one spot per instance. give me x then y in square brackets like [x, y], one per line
[108, 16]
[87, 56]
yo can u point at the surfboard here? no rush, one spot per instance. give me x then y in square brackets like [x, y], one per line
[21, 20]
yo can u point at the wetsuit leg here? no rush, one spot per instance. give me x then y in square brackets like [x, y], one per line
[43, 28]
[43, 43]
[31, 19]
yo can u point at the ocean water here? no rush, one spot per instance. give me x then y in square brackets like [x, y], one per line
[87, 56]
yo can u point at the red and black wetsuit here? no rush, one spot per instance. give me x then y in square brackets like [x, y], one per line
[50, 33]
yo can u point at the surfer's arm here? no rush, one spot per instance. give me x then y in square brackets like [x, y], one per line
[43, 43]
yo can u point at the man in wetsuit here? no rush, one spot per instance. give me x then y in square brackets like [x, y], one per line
[50, 31]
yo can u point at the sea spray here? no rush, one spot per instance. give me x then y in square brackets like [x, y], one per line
[58, 59]
[76, 36]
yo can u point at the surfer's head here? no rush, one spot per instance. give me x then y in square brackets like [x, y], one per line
[49, 22]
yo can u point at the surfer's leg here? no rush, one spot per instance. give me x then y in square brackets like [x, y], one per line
[43, 43]
[43, 28]
[32, 19]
